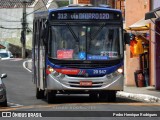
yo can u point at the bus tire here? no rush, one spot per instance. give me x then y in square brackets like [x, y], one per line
[51, 96]
[4, 104]
[111, 96]
[39, 93]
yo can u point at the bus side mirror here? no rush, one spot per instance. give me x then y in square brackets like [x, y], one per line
[127, 38]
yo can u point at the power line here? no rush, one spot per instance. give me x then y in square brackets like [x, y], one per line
[45, 3]
[8, 28]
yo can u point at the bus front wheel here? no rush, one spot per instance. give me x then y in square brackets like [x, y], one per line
[4, 104]
[39, 93]
[51, 96]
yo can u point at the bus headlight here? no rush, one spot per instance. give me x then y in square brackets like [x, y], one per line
[54, 73]
[49, 70]
[115, 74]
[120, 70]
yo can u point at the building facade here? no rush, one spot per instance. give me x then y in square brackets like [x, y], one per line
[155, 47]
[135, 11]
[11, 22]
[144, 6]
[118, 4]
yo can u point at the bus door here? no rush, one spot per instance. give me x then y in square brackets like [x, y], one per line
[42, 56]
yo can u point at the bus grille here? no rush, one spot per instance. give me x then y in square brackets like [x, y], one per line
[87, 66]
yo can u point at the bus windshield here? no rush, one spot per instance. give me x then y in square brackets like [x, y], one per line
[85, 42]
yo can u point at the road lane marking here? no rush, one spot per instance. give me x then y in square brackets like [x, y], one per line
[10, 104]
[24, 65]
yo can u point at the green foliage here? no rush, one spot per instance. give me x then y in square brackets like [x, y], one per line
[62, 3]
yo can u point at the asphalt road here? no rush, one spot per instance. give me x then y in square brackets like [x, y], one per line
[21, 96]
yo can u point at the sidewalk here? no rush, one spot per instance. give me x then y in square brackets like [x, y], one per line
[146, 94]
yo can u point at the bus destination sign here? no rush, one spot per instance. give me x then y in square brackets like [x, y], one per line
[84, 16]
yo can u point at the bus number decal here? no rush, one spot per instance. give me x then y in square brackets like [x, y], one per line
[62, 16]
[104, 16]
[99, 71]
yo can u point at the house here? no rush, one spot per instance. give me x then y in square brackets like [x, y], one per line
[155, 38]
[2, 47]
[118, 4]
[11, 21]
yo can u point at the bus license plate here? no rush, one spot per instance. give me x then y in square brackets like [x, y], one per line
[85, 83]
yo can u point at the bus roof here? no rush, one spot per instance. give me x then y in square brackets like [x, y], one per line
[79, 8]
[75, 8]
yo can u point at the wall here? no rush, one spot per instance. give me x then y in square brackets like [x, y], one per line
[135, 10]
[94, 2]
[155, 4]
[152, 57]
[11, 19]
[131, 65]
[84, 1]
[75, 1]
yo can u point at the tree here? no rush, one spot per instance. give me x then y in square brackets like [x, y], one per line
[62, 3]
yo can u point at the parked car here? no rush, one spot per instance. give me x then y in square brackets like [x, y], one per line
[3, 97]
[5, 54]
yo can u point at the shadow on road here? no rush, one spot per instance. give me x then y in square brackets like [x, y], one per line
[64, 99]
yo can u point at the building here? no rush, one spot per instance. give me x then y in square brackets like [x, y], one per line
[133, 63]
[155, 37]
[2, 47]
[135, 11]
[11, 22]
[118, 4]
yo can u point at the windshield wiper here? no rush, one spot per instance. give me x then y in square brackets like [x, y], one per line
[72, 32]
[97, 32]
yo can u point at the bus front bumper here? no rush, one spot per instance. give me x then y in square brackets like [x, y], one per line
[74, 83]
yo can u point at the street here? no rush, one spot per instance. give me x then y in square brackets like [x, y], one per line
[21, 95]
[107, 51]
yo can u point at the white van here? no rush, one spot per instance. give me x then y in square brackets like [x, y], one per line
[5, 54]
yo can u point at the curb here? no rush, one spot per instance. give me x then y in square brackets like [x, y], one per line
[140, 97]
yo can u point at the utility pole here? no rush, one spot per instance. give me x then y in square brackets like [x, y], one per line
[23, 32]
[24, 27]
